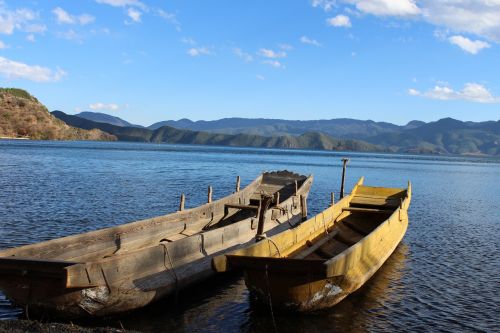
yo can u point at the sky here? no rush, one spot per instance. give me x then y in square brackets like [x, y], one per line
[147, 61]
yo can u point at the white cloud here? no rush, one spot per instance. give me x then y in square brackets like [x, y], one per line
[70, 35]
[472, 92]
[103, 106]
[85, 19]
[285, 47]
[123, 3]
[30, 38]
[19, 19]
[134, 14]
[468, 45]
[267, 53]
[477, 17]
[170, 18]
[3, 45]
[199, 51]
[260, 77]
[63, 17]
[35, 28]
[273, 63]
[339, 21]
[18, 70]
[307, 40]
[243, 55]
[188, 40]
[326, 5]
[386, 7]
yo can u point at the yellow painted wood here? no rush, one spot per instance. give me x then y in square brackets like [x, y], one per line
[273, 266]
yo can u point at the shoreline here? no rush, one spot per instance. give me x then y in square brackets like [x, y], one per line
[14, 138]
[33, 326]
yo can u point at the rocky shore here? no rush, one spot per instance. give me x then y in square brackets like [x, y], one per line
[31, 326]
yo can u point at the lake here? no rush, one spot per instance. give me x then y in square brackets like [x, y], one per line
[444, 276]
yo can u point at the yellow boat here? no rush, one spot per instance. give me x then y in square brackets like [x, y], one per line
[321, 261]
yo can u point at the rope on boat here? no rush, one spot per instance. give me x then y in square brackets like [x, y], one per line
[264, 236]
[270, 301]
[176, 279]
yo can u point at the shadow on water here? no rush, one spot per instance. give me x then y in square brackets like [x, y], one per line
[355, 313]
[223, 303]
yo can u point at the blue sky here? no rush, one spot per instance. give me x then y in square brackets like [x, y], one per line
[146, 61]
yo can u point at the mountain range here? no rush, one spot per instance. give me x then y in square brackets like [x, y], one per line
[22, 115]
[168, 134]
[445, 136]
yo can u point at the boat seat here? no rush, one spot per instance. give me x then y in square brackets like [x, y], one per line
[367, 210]
[375, 201]
[238, 206]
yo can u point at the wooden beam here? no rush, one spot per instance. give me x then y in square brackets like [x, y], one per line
[367, 210]
[209, 199]
[314, 246]
[182, 203]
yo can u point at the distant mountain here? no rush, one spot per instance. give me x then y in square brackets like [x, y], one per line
[445, 136]
[167, 134]
[105, 118]
[339, 128]
[122, 133]
[22, 115]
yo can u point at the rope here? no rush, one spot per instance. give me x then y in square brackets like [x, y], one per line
[176, 279]
[264, 236]
[270, 301]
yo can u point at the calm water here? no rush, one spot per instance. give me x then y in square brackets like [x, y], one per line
[444, 276]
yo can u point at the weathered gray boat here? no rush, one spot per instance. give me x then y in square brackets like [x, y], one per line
[129, 266]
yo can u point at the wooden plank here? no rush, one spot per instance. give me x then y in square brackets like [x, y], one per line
[367, 210]
[237, 206]
[316, 245]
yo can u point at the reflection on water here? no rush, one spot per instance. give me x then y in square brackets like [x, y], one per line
[443, 276]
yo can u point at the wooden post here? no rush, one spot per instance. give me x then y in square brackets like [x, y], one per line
[303, 207]
[209, 200]
[333, 198]
[296, 187]
[344, 163]
[238, 180]
[265, 202]
[277, 198]
[183, 201]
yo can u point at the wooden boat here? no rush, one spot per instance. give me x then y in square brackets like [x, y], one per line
[128, 266]
[324, 259]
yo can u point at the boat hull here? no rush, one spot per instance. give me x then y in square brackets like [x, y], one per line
[329, 256]
[127, 280]
[310, 291]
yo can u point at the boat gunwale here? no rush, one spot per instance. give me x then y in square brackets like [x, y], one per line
[123, 228]
[327, 265]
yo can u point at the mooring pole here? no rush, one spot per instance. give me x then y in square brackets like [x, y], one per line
[183, 200]
[265, 202]
[296, 187]
[333, 199]
[209, 199]
[238, 183]
[344, 163]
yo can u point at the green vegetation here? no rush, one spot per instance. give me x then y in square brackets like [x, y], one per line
[167, 134]
[16, 92]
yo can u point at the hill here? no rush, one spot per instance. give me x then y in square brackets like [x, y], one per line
[168, 134]
[445, 136]
[340, 128]
[22, 115]
[105, 118]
